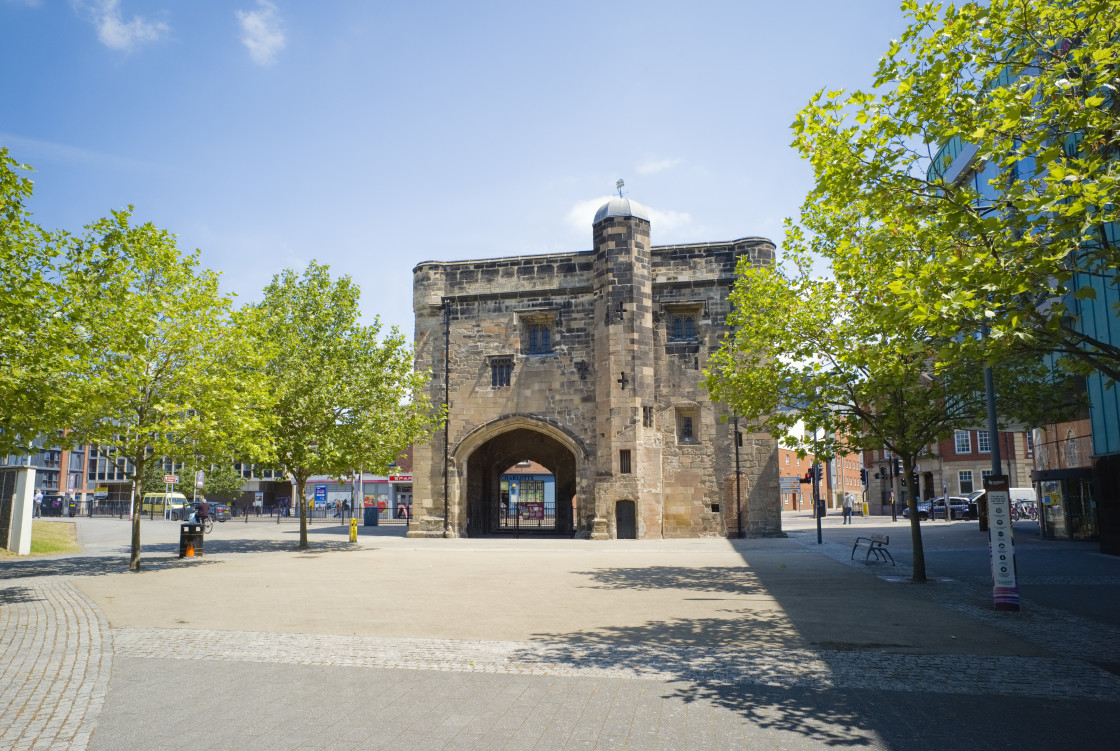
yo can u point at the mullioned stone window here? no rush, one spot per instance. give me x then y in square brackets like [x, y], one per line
[537, 329]
[501, 370]
[682, 321]
[540, 339]
[682, 327]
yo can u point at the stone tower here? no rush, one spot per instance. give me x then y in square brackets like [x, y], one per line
[624, 364]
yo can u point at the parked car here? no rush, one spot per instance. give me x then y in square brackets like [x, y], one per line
[961, 508]
[219, 511]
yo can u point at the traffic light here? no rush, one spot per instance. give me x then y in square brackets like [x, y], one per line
[807, 477]
[863, 475]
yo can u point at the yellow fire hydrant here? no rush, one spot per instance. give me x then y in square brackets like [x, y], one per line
[353, 529]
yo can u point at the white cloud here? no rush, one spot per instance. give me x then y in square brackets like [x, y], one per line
[668, 221]
[114, 32]
[582, 213]
[653, 166]
[262, 32]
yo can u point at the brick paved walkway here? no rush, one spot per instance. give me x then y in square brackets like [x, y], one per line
[56, 656]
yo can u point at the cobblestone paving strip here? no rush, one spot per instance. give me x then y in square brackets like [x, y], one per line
[55, 662]
[787, 668]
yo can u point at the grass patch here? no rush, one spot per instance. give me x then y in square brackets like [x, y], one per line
[48, 538]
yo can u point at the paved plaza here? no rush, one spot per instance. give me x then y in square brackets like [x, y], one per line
[401, 643]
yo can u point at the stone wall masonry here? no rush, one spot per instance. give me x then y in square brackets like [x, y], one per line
[680, 488]
[697, 261]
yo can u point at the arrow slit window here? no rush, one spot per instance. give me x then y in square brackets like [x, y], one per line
[686, 425]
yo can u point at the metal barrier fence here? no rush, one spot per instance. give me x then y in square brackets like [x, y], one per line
[120, 510]
[385, 517]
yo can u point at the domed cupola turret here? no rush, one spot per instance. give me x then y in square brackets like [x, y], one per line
[620, 207]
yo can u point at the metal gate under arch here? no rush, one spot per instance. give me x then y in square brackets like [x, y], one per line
[494, 511]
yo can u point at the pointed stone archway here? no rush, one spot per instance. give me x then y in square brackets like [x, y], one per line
[487, 452]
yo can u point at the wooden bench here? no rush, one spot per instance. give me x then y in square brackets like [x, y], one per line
[876, 546]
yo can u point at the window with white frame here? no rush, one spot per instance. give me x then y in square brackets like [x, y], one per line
[983, 442]
[962, 442]
[964, 478]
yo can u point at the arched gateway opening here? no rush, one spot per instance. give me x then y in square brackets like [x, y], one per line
[490, 511]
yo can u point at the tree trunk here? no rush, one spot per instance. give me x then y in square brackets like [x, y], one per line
[134, 557]
[301, 484]
[915, 524]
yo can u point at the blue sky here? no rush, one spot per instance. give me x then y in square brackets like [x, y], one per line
[372, 136]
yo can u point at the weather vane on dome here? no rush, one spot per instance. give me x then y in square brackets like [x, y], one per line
[619, 185]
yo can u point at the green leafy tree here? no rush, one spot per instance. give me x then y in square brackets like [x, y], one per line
[152, 480]
[805, 350]
[221, 480]
[346, 396]
[168, 370]
[1028, 88]
[36, 356]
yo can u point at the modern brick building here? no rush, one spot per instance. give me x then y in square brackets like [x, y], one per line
[589, 363]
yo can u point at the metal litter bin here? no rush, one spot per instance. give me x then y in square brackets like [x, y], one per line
[190, 540]
[370, 517]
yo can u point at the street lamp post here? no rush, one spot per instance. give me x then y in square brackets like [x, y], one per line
[818, 504]
[894, 501]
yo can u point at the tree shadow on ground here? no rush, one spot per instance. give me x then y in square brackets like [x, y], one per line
[745, 660]
[732, 580]
[15, 595]
[759, 663]
[727, 663]
[156, 557]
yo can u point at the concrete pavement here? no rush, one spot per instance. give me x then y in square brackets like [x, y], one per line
[398, 643]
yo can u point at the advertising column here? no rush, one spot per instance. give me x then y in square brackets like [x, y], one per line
[1001, 544]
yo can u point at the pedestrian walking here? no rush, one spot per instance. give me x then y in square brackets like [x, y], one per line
[849, 501]
[38, 510]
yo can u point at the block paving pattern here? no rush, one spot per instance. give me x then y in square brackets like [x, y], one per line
[56, 655]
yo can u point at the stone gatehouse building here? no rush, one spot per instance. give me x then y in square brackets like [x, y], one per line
[588, 363]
